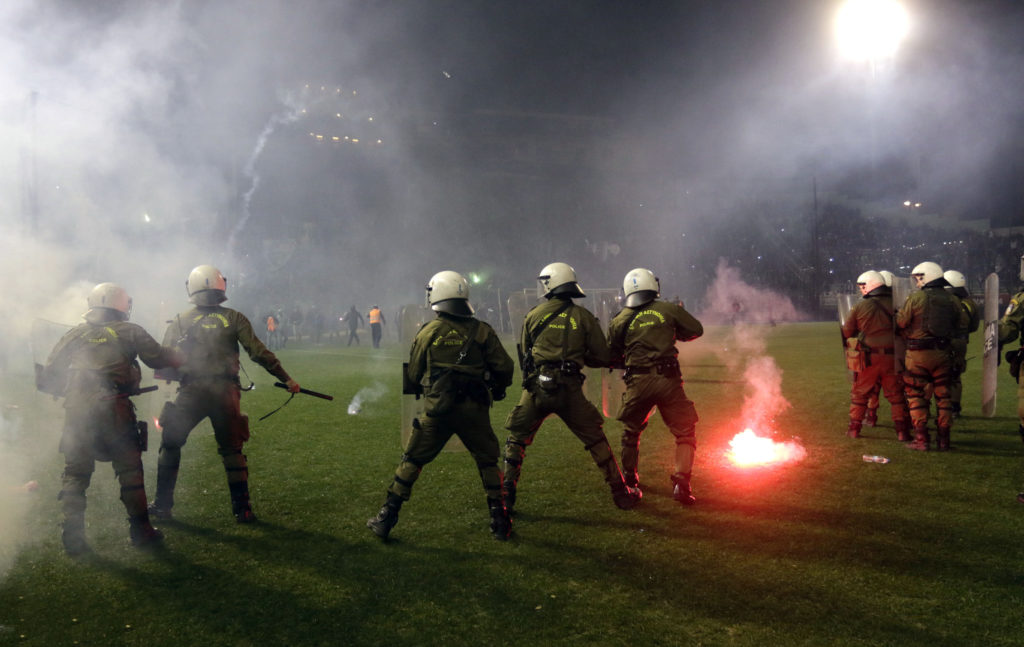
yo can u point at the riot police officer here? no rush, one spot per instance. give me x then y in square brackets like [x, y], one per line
[643, 338]
[558, 339]
[465, 366]
[208, 335]
[871, 323]
[1010, 328]
[94, 367]
[929, 321]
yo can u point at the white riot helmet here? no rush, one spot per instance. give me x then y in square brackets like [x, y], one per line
[640, 287]
[955, 279]
[926, 272]
[870, 280]
[888, 276]
[558, 279]
[112, 297]
[448, 291]
[206, 286]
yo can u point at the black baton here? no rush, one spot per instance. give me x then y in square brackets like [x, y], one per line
[282, 385]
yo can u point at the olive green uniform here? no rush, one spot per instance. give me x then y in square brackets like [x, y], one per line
[458, 395]
[556, 347]
[929, 321]
[95, 367]
[209, 337]
[458, 405]
[959, 346]
[643, 340]
[871, 322]
[1010, 328]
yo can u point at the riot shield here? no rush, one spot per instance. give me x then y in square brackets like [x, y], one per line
[602, 388]
[845, 303]
[902, 286]
[412, 318]
[520, 303]
[990, 359]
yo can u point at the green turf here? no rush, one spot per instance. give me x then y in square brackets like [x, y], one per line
[829, 551]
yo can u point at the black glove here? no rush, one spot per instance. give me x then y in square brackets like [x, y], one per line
[497, 393]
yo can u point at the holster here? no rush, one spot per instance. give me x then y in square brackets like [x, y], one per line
[143, 428]
[1014, 359]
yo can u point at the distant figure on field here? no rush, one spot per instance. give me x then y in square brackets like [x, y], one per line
[354, 321]
[376, 324]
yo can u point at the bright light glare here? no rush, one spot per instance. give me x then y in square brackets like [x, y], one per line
[748, 450]
[871, 30]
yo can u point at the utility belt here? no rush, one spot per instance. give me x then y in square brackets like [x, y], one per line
[668, 368]
[550, 376]
[881, 351]
[189, 379]
[565, 367]
[928, 343]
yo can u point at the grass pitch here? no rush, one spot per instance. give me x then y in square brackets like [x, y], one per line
[924, 550]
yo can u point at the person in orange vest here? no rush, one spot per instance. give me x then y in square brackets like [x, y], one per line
[272, 332]
[376, 318]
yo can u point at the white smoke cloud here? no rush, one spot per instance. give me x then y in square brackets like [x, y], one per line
[365, 395]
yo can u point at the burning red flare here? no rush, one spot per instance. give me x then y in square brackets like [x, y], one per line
[156, 423]
[749, 450]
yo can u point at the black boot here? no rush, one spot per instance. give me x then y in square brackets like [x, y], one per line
[166, 478]
[681, 491]
[942, 439]
[871, 418]
[854, 429]
[921, 440]
[142, 532]
[625, 497]
[386, 519]
[240, 502]
[902, 431]
[73, 536]
[501, 522]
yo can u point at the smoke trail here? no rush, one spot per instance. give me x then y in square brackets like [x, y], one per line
[366, 394]
[294, 109]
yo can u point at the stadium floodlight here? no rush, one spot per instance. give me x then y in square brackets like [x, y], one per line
[871, 30]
